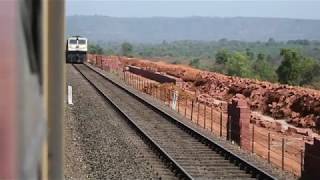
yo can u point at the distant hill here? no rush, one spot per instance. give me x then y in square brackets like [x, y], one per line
[157, 29]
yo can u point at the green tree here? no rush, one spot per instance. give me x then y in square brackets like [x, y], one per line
[222, 56]
[239, 65]
[95, 49]
[126, 49]
[110, 52]
[310, 70]
[263, 70]
[195, 63]
[271, 41]
[289, 72]
[249, 53]
[261, 57]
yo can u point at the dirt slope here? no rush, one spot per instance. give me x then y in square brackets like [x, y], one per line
[300, 106]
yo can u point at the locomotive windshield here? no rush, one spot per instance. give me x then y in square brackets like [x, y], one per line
[81, 41]
[73, 41]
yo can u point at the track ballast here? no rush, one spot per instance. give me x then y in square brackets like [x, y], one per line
[186, 152]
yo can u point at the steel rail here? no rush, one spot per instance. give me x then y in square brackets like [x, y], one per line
[233, 158]
[163, 155]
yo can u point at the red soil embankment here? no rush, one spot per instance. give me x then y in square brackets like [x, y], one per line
[301, 106]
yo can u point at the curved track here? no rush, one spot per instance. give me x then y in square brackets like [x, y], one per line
[189, 154]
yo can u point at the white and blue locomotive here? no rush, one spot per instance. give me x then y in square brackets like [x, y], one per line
[76, 49]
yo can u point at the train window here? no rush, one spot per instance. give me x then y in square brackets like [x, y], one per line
[82, 41]
[72, 41]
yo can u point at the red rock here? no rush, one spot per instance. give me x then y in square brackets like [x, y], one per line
[302, 105]
[292, 130]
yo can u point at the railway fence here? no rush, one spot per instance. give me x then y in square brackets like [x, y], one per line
[280, 150]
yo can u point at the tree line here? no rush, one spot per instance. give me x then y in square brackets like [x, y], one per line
[294, 69]
[295, 62]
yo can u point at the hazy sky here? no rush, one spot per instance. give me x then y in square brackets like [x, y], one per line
[222, 8]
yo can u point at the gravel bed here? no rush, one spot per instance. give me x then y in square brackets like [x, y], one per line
[99, 144]
[250, 158]
[197, 159]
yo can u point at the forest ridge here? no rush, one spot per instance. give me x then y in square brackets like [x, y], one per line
[157, 29]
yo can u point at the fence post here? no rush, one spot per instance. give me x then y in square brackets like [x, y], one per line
[168, 96]
[178, 100]
[221, 124]
[100, 62]
[301, 162]
[205, 114]
[129, 79]
[149, 88]
[269, 147]
[252, 139]
[211, 119]
[192, 109]
[154, 92]
[162, 94]
[282, 162]
[185, 107]
[136, 81]
[133, 81]
[157, 92]
[141, 84]
[198, 113]
[229, 131]
[171, 98]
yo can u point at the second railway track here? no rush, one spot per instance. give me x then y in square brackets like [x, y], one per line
[189, 154]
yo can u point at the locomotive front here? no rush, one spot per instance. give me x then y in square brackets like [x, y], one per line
[76, 50]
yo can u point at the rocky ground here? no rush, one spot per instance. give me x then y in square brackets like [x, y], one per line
[99, 144]
[298, 106]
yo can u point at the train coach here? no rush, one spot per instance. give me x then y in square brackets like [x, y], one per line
[76, 49]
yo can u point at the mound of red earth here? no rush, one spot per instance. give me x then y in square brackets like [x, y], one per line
[300, 106]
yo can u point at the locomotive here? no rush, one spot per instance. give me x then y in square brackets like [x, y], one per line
[76, 49]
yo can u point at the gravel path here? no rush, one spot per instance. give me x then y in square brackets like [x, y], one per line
[98, 142]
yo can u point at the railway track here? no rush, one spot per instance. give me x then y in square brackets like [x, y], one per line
[189, 154]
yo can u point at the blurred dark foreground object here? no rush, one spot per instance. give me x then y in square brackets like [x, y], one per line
[31, 89]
